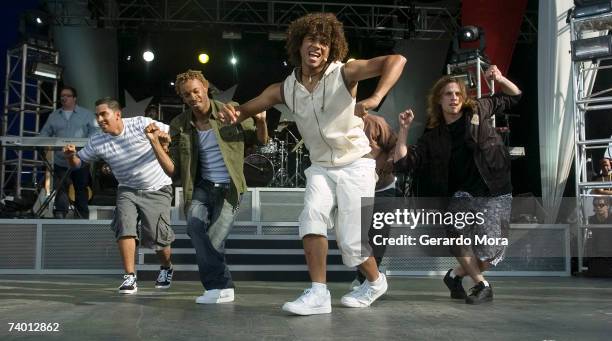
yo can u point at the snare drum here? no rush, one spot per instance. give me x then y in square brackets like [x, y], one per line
[258, 170]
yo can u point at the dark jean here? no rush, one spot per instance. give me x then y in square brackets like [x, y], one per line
[209, 221]
[80, 179]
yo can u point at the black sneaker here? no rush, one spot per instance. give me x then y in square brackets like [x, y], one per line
[164, 278]
[480, 294]
[129, 285]
[455, 286]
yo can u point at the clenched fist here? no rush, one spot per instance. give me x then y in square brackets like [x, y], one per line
[493, 73]
[405, 118]
[362, 107]
[228, 114]
[69, 150]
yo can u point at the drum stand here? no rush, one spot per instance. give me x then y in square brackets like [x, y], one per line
[281, 176]
[297, 180]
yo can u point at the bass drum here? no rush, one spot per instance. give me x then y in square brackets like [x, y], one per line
[258, 170]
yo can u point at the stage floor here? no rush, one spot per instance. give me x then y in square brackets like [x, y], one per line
[88, 308]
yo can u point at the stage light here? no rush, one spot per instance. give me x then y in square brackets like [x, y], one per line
[35, 29]
[128, 58]
[234, 61]
[587, 8]
[171, 83]
[203, 58]
[45, 70]
[148, 56]
[591, 48]
[285, 64]
[231, 35]
[469, 33]
[277, 36]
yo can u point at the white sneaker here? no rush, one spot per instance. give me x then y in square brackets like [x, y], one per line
[354, 284]
[215, 296]
[365, 294]
[310, 303]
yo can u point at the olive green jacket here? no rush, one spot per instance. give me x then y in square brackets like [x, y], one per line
[184, 151]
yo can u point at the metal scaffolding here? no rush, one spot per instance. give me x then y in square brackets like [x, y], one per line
[584, 74]
[25, 99]
[362, 19]
[384, 19]
[472, 71]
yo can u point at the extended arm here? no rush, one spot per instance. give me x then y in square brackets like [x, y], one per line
[268, 98]
[389, 68]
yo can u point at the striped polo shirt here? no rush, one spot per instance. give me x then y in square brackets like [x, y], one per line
[129, 155]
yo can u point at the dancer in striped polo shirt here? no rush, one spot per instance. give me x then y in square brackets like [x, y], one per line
[144, 193]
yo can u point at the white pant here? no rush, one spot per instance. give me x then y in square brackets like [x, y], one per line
[333, 199]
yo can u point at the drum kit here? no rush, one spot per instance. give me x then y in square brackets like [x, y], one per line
[281, 162]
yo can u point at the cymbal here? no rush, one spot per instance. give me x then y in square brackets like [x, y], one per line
[283, 125]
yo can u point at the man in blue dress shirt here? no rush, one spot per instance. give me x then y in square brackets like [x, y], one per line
[70, 120]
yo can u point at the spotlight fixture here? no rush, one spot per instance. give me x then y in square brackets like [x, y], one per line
[587, 8]
[148, 56]
[203, 58]
[467, 34]
[277, 36]
[47, 70]
[34, 28]
[592, 48]
[231, 35]
[233, 60]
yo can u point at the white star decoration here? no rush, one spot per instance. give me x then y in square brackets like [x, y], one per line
[132, 107]
[223, 96]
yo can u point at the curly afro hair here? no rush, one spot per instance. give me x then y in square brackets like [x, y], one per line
[187, 76]
[323, 26]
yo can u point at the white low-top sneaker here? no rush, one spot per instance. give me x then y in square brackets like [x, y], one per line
[310, 303]
[365, 294]
[215, 296]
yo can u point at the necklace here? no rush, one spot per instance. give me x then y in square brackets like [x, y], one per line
[312, 74]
